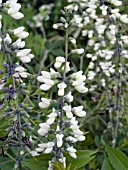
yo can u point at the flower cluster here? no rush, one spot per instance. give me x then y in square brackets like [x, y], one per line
[15, 111]
[39, 18]
[106, 48]
[63, 115]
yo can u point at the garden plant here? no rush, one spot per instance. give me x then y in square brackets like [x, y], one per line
[63, 85]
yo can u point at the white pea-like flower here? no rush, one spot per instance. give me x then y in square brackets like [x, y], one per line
[20, 33]
[78, 82]
[76, 130]
[72, 152]
[125, 39]
[91, 75]
[79, 111]
[72, 40]
[51, 117]
[18, 44]
[77, 51]
[67, 109]
[104, 9]
[67, 67]
[81, 88]
[44, 128]
[71, 139]
[45, 102]
[59, 61]
[61, 87]
[45, 147]
[116, 2]
[20, 72]
[55, 26]
[48, 78]
[80, 137]
[24, 55]
[13, 9]
[100, 29]
[112, 29]
[69, 97]
[59, 138]
[115, 12]
[124, 18]
[7, 39]
[49, 148]
[17, 15]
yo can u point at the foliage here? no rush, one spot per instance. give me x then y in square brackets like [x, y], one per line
[106, 123]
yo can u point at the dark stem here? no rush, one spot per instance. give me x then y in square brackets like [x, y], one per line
[10, 68]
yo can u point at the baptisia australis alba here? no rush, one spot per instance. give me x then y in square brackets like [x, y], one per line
[63, 114]
[105, 16]
[106, 48]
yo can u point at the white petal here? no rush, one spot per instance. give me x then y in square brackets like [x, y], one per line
[44, 125]
[40, 79]
[61, 92]
[25, 59]
[57, 65]
[46, 74]
[22, 53]
[23, 74]
[17, 15]
[14, 9]
[67, 108]
[39, 149]
[72, 154]
[30, 56]
[19, 69]
[23, 34]
[48, 150]
[69, 115]
[60, 59]
[43, 145]
[80, 138]
[18, 30]
[81, 114]
[50, 121]
[42, 132]
[45, 87]
[48, 81]
[77, 131]
[43, 105]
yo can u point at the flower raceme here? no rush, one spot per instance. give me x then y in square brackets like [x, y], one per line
[61, 113]
[14, 74]
[53, 78]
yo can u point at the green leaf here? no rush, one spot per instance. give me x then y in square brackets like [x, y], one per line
[118, 159]
[57, 52]
[83, 157]
[48, 45]
[6, 164]
[38, 162]
[107, 165]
